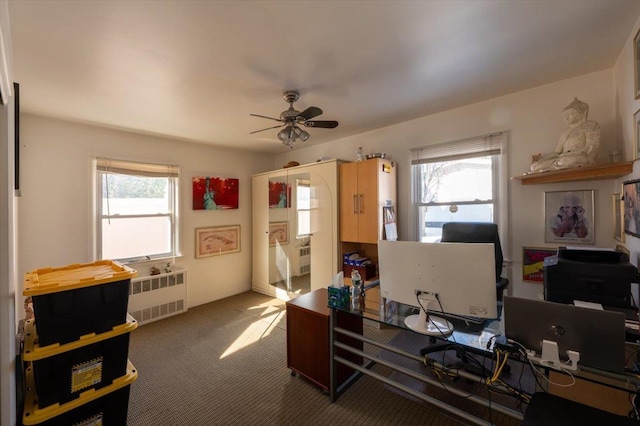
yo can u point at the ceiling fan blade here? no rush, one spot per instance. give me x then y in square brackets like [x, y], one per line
[264, 116]
[268, 128]
[325, 124]
[310, 113]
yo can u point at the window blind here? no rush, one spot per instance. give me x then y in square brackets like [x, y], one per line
[490, 144]
[136, 169]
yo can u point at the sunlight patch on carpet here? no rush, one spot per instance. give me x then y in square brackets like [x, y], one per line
[256, 331]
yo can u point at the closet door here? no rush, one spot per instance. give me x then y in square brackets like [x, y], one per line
[279, 230]
[260, 234]
[323, 223]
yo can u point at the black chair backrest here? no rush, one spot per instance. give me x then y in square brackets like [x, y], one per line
[474, 232]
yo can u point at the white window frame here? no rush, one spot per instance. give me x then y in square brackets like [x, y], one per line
[306, 183]
[104, 166]
[495, 143]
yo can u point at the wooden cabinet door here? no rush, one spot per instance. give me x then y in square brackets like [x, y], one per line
[368, 202]
[349, 202]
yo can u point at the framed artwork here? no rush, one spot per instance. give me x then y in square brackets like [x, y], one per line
[631, 214]
[278, 233]
[214, 193]
[636, 132]
[636, 64]
[618, 217]
[217, 240]
[279, 195]
[569, 217]
[533, 262]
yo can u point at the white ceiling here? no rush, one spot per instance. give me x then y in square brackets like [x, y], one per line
[195, 70]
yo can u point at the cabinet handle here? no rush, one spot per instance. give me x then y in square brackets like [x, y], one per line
[360, 203]
[355, 208]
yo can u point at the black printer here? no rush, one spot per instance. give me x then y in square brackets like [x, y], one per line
[590, 275]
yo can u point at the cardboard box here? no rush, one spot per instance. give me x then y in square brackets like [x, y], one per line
[366, 272]
[338, 296]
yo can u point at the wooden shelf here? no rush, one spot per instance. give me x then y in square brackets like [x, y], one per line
[601, 171]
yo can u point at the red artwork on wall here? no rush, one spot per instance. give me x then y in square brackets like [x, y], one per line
[279, 195]
[212, 193]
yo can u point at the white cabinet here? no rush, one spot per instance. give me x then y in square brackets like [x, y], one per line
[295, 229]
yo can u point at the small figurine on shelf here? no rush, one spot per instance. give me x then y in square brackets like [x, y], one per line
[155, 270]
[167, 268]
[359, 154]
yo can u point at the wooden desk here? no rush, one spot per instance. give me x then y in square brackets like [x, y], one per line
[308, 338]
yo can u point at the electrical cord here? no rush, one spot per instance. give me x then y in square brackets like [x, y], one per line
[493, 384]
[633, 413]
[444, 336]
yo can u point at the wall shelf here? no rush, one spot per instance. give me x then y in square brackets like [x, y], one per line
[597, 172]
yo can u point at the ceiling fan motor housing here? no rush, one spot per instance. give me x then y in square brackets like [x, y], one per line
[290, 96]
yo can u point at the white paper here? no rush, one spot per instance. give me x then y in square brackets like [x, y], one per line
[391, 231]
[582, 248]
[590, 305]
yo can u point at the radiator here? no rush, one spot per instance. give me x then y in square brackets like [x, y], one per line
[155, 297]
[301, 261]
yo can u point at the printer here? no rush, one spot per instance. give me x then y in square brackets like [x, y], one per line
[591, 275]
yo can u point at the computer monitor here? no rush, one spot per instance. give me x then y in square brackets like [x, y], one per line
[446, 278]
[597, 335]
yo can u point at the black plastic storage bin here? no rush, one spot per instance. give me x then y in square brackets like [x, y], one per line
[64, 372]
[77, 300]
[107, 406]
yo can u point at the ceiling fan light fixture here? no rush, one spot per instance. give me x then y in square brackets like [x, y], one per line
[304, 135]
[283, 135]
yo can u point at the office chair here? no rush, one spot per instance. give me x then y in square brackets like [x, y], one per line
[478, 232]
[472, 232]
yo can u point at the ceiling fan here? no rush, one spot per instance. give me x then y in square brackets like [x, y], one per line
[291, 119]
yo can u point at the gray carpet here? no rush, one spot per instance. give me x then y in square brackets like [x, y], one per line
[225, 363]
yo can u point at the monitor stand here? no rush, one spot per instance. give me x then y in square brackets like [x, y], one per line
[429, 324]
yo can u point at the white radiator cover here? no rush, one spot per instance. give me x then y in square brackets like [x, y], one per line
[300, 261]
[156, 297]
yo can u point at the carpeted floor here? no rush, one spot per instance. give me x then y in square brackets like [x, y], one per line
[225, 363]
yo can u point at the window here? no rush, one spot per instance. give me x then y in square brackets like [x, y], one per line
[303, 206]
[136, 206]
[459, 181]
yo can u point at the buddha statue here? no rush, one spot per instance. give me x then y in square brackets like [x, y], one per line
[578, 145]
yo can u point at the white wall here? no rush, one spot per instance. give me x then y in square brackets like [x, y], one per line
[8, 230]
[55, 220]
[8, 262]
[534, 121]
[627, 107]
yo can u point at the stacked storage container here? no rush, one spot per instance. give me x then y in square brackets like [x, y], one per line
[76, 346]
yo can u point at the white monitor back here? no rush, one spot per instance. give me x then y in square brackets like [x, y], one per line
[462, 274]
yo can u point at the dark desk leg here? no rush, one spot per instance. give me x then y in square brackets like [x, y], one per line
[333, 370]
